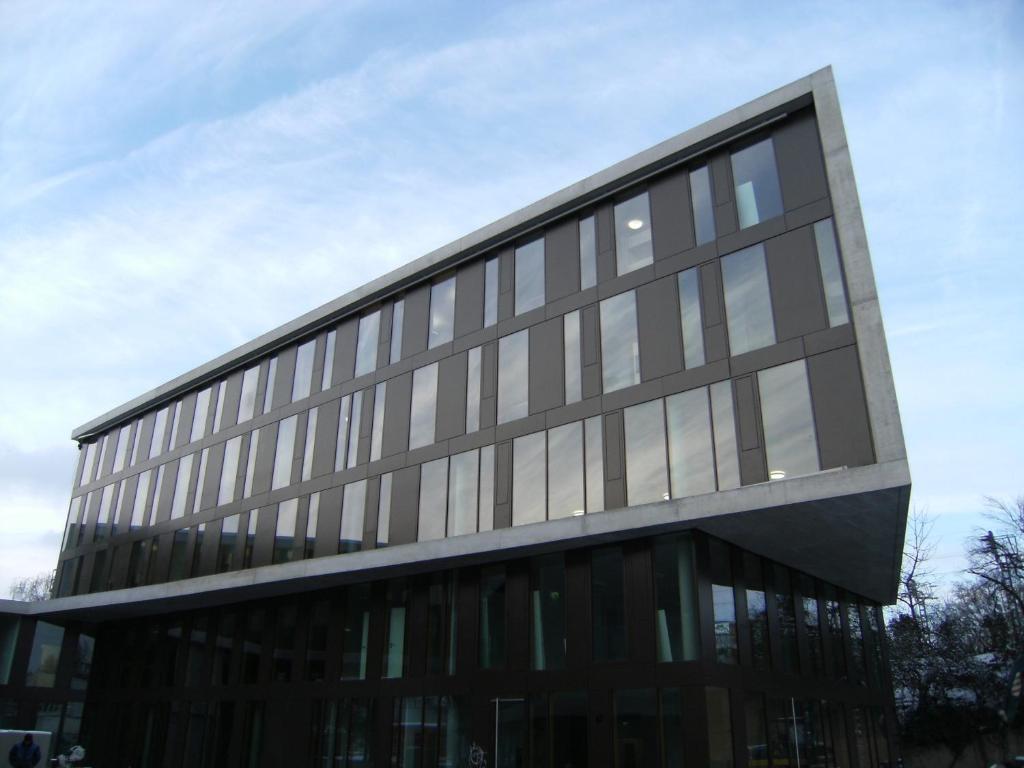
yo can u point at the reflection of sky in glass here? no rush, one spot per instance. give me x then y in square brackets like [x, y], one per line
[490, 292]
[462, 493]
[442, 312]
[366, 343]
[748, 304]
[789, 438]
[633, 243]
[352, 510]
[689, 315]
[565, 470]
[726, 457]
[529, 276]
[620, 359]
[595, 465]
[588, 253]
[703, 213]
[473, 390]
[691, 460]
[646, 480]
[513, 376]
[433, 500]
[573, 379]
[303, 382]
[424, 406]
[757, 184]
[529, 489]
[397, 319]
[284, 451]
[831, 275]
[377, 427]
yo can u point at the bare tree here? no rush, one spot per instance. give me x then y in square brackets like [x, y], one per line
[997, 559]
[917, 589]
[32, 589]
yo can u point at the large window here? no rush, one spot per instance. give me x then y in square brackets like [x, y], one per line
[44, 658]
[463, 492]
[528, 479]
[831, 273]
[690, 451]
[302, 384]
[529, 276]
[757, 610]
[620, 349]
[748, 302]
[566, 487]
[646, 480]
[547, 612]
[513, 376]
[366, 343]
[442, 312]
[353, 510]
[229, 471]
[423, 416]
[181, 484]
[156, 445]
[284, 452]
[633, 246]
[676, 614]
[285, 539]
[247, 401]
[608, 606]
[377, 427]
[328, 372]
[757, 184]
[690, 318]
[789, 438]
[397, 319]
[588, 253]
[433, 500]
[473, 382]
[572, 349]
[199, 417]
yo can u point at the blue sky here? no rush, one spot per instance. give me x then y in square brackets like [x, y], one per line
[178, 177]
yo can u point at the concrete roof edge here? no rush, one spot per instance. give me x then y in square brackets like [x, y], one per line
[531, 215]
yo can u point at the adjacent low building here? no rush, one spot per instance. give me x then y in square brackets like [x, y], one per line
[617, 480]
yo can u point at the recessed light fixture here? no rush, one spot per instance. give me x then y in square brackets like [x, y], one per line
[665, 496]
[635, 223]
[577, 513]
[777, 474]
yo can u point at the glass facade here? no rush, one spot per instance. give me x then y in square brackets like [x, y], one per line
[529, 288]
[748, 302]
[633, 244]
[620, 347]
[756, 181]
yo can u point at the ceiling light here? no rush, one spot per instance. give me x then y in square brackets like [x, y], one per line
[635, 223]
[577, 513]
[777, 474]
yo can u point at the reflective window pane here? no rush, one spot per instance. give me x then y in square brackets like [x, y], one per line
[247, 403]
[217, 416]
[757, 184]
[690, 452]
[690, 318]
[831, 273]
[328, 372]
[366, 343]
[725, 623]
[284, 452]
[785, 609]
[442, 312]
[200, 415]
[377, 428]
[397, 321]
[473, 372]
[528, 479]
[44, 658]
[181, 485]
[547, 612]
[121, 454]
[463, 492]
[354, 419]
[423, 415]
[308, 444]
[529, 263]
[789, 438]
[312, 520]
[356, 631]
[513, 376]
[486, 515]
[595, 464]
[757, 610]
[490, 292]
[633, 246]
[676, 615]
[748, 302]
[620, 350]
[302, 384]
[353, 510]
[719, 728]
[433, 500]
[229, 470]
[156, 445]
[646, 477]
[250, 464]
[285, 549]
[565, 471]
[228, 544]
[384, 510]
[726, 457]
[588, 253]
[701, 202]
[573, 375]
[268, 396]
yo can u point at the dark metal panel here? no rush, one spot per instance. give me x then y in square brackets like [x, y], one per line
[503, 485]
[546, 374]
[562, 260]
[469, 298]
[185, 416]
[214, 464]
[396, 415]
[416, 321]
[605, 221]
[799, 158]
[328, 524]
[614, 461]
[638, 573]
[721, 185]
[405, 496]
[232, 397]
[793, 275]
[146, 436]
[506, 284]
[752, 461]
[326, 439]
[766, 357]
[263, 472]
[370, 513]
[284, 377]
[365, 426]
[345, 351]
[319, 356]
[384, 336]
[591, 351]
[488, 385]
[266, 527]
[579, 651]
[451, 397]
[661, 341]
[671, 215]
[840, 411]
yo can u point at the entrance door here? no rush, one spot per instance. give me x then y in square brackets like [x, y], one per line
[510, 731]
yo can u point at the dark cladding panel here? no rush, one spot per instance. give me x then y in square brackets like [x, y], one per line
[328, 527]
[752, 462]
[562, 260]
[266, 527]
[488, 385]
[506, 284]
[721, 182]
[417, 320]
[263, 472]
[840, 412]
[797, 299]
[605, 243]
[469, 298]
[185, 416]
[503, 485]
[326, 439]
[405, 496]
[614, 461]
[799, 158]
[715, 345]
[232, 396]
[284, 377]
[671, 215]
[591, 343]
[345, 351]
[661, 343]
[396, 416]
[451, 397]
[546, 387]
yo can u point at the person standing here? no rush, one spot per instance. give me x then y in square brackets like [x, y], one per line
[24, 754]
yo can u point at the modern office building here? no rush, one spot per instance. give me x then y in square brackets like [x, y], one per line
[617, 480]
